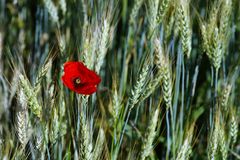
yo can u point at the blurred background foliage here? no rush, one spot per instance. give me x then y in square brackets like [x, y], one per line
[34, 33]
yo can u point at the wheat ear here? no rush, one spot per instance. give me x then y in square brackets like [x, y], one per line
[147, 146]
[31, 96]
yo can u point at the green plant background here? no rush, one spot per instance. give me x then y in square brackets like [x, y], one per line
[167, 92]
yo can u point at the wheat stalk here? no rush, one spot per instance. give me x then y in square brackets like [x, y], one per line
[212, 45]
[214, 35]
[222, 143]
[99, 146]
[63, 6]
[40, 139]
[216, 53]
[212, 21]
[217, 139]
[22, 119]
[41, 74]
[52, 10]
[186, 148]
[233, 129]
[225, 96]
[212, 150]
[184, 26]
[225, 15]
[185, 151]
[55, 127]
[103, 44]
[152, 85]
[210, 41]
[14, 85]
[167, 86]
[85, 139]
[164, 68]
[135, 10]
[31, 96]
[89, 44]
[152, 17]
[139, 86]
[116, 106]
[163, 8]
[169, 23]
[147, 145]
[205, 38]
[61, 43]
[1, 51]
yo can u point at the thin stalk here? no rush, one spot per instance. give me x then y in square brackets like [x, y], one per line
[213, 102]
[32, 150]
[78, 120]
[182, 100]
[124, 126]
[114, 142]
[214, 84]
[116, 150]
[123, 75]
[224, 70]
[215, 91]
[178, 76]
[173, 133]
[194, 82]
[60, 151]
[48, 154]
[137, 113]
[215, 87]
[55, 148]
[168, 136]
[170, 131]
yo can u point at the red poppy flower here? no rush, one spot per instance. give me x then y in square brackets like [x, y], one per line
[79, 78]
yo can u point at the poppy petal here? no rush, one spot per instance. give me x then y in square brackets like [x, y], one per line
[67, 82]
[86, 89]
[88, 78]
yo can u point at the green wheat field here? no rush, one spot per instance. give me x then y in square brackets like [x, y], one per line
[170, 79]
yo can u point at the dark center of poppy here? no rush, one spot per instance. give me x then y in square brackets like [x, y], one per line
[77, 81]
